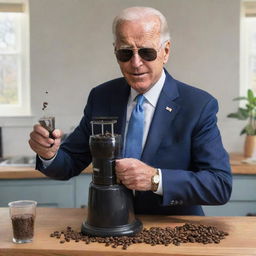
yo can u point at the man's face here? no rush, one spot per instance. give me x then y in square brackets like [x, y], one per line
[140, 74]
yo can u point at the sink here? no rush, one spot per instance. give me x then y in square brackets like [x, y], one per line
[19, 161]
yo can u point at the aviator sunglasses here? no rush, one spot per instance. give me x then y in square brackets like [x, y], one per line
[125, 54]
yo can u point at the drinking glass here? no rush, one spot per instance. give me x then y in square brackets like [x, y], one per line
[22, 214]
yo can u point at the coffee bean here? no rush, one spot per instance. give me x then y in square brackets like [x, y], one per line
[188, 233]
[23, 226]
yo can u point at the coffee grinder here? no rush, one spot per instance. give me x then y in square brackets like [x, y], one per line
[110, 204]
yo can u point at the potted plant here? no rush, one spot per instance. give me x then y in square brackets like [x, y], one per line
[248, 113]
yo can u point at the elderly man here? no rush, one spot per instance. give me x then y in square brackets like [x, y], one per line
[177, 162]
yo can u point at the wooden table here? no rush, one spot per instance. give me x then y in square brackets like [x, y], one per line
[241, 239]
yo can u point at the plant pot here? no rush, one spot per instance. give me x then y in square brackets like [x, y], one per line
[250, 146]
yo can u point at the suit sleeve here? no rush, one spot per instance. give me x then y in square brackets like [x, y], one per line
[209, 181]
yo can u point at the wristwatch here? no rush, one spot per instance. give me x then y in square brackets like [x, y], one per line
[155, 179]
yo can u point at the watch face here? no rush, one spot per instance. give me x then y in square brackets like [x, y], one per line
[156, 179]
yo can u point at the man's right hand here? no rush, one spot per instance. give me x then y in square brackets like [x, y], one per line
[40, 142]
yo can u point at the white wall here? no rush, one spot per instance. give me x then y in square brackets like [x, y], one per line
[71, 52]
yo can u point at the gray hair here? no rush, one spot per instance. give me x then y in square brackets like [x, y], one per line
[136, 13]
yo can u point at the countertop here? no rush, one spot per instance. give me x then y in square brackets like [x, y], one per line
[9, 172]
[239, 167]
[240, 241]
[21, 172]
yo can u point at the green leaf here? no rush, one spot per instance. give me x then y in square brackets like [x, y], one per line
[240, 98]
[250, 96]
[243, 131]
[234, 115]
[249, 129]
[248, 112]
[241, 114]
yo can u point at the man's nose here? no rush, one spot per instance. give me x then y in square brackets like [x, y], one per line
[136, 60]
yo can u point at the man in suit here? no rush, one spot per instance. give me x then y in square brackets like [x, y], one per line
[182, 163]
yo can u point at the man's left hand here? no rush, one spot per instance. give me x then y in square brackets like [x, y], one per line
[134, 174]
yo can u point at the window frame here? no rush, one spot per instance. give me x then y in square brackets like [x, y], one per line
[24, 106]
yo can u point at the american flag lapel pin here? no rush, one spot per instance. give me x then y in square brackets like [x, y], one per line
[168, 109]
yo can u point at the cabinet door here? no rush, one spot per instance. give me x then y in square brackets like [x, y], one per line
[82, 184]
[242, 201]
[47, 192]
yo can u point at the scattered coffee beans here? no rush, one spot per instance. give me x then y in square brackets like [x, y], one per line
[45, 104]
[188, 233]
[23, 226]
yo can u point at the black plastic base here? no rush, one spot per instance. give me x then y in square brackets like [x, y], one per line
[110, 212]
[125, 230]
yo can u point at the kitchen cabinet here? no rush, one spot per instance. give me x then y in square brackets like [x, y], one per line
[243, 197]
[242, 201]
[47, 192]
[24, 183]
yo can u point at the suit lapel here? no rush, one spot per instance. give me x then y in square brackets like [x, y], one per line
[166, 110]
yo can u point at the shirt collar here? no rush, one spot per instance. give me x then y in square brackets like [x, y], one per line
[151, 95]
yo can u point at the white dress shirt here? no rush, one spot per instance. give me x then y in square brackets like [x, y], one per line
[149, 105]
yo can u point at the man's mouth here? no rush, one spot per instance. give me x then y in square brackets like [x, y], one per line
[138, 74]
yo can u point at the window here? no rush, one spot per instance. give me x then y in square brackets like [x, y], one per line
[14, 66]
[248, 47]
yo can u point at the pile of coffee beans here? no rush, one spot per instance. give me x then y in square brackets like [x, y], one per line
[107, 134]
[188, 233]
[23, 226]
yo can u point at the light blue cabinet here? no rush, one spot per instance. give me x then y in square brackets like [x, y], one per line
[82, 183]
[74, 193]
[47, 192]
[242, 201]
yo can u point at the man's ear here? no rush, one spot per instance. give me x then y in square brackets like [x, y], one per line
[167, 50]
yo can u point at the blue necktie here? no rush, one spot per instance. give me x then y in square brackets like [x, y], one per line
[134, 136]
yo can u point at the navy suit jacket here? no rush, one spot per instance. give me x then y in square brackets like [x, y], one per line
[184, 142]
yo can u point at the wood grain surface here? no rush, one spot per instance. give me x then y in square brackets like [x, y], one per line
[239, 167]
[20, 172]
[241, 239]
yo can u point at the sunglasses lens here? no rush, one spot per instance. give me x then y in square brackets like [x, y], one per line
[124, 55]
[148, 54]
